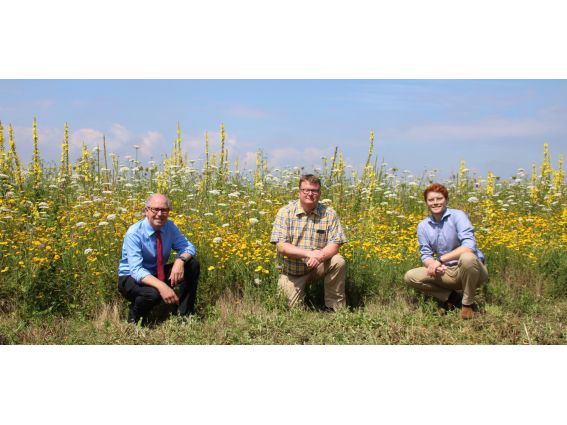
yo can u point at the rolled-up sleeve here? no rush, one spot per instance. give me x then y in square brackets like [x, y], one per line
[424, 244]
[465, 231]
[180, 243]
[133, 248]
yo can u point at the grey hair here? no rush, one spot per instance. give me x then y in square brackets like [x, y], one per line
[153, 195]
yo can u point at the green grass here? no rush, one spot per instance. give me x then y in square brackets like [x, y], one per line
[402, 320]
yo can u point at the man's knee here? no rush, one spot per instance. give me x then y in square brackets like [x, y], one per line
[468, 260]
[338, 261]
[192, 267]
[408, 278]
[150, 295]
[413, 277]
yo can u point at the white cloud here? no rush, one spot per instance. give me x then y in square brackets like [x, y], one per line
[282, 157]
[152, 144]
[88, 136]
[119, 139]
[545, 125]
[120, 133]
[196, 147]
[248, 161]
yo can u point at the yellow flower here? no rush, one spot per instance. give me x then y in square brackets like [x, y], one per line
[211, 268]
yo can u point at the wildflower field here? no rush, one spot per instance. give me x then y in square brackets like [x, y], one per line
[62, 226]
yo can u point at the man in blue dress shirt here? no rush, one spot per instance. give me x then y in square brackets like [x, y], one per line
[140, 280]
[452, 263]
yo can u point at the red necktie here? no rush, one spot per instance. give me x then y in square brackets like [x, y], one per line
[160, 271]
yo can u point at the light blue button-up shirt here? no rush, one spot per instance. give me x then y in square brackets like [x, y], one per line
[139, 257]
[439, 237]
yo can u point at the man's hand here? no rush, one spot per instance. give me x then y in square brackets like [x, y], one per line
[168, 295]
[314, 258]
[177, 271]
[435, 269]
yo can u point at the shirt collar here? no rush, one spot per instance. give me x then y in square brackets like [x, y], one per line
[317, 210]
[147, 227]
[446, 214]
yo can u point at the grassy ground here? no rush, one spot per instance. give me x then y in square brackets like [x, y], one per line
[236, 321]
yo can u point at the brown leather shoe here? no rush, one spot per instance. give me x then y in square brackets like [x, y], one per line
[467, 312]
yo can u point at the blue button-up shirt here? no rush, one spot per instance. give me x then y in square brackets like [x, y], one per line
[439, 237]
[139, 257]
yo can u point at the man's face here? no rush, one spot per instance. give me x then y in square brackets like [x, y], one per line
[309, 194]
[436, 202]
[158, 212]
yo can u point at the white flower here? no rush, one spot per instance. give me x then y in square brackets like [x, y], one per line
[234, 194]
[96, 215]
[253, 220]
[81, 224]
[208, 214]
[326, 201]
[103, 223]
[217, 240]
[225, 225]
[214, 192]
[473, 200]
[88, 251]
[257, 281]
[111, 217]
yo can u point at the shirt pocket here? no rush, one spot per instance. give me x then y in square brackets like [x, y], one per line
[319, 236]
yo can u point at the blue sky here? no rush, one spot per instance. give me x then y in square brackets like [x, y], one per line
[496, 125]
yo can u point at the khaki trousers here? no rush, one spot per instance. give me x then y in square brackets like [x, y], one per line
[334, 273]
[466, 276]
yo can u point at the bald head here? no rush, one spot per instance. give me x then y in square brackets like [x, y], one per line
[158, 197]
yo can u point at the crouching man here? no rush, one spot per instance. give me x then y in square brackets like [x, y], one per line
[143, 277]
[308, 235]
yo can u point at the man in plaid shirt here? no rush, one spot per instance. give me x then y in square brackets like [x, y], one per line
[308, 236]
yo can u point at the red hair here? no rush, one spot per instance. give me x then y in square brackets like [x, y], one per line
[436, 187]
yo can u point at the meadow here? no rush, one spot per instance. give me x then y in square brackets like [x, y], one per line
[62, 226]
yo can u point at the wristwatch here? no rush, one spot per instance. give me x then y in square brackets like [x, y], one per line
[184, 259]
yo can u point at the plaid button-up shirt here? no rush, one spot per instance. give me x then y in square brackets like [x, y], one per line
[313, 231]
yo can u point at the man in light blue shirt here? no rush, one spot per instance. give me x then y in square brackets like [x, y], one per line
[144, 278]
[452, 263]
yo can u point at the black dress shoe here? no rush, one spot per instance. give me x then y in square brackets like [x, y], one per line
[455, 299]
[132, 316]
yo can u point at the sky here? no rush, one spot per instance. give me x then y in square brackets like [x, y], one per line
[419, 125]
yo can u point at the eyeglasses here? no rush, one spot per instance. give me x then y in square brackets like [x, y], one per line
[159, 210]
[310, 191]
